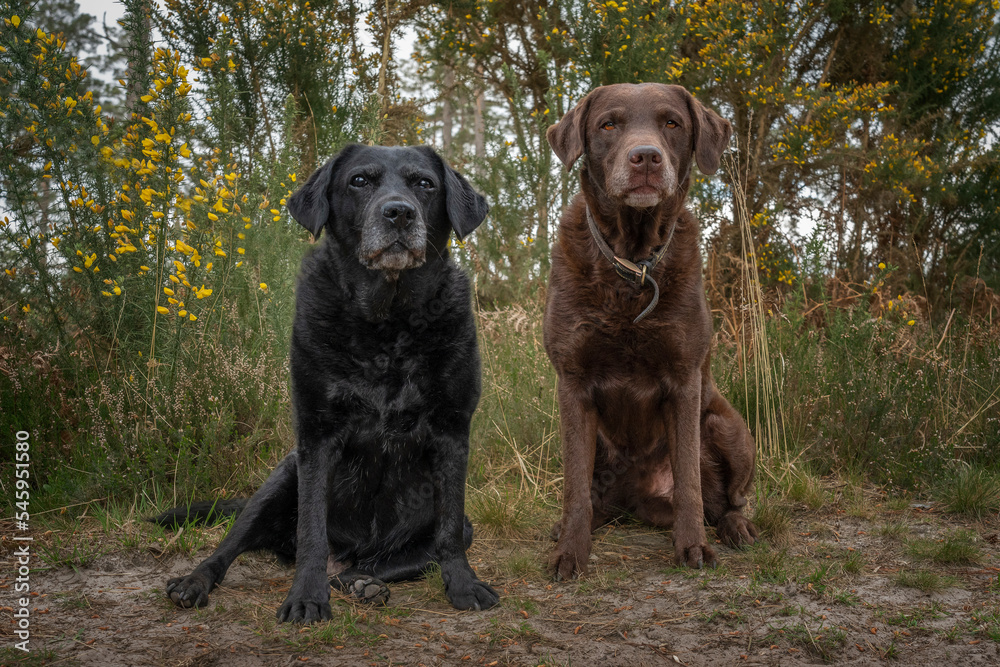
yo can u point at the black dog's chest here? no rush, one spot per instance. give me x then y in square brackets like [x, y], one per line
[385, 398]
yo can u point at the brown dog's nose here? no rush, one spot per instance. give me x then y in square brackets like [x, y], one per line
[645, 156]
[399, 214]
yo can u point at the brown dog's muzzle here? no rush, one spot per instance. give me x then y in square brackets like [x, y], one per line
[644, 178]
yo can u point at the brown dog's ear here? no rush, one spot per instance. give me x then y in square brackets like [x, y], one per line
[568, 137]
[711, 136]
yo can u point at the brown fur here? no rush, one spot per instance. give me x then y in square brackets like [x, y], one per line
[644, 428]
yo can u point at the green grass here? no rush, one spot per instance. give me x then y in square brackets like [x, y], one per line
[502, 513]
[773, 520]
[770, 565]
[987, 623]
[915, 617]
[433, 584]
[12, 656]
[520, 564]
[971, 491]
[924, 580]
[67, 549]
[821, 576]
[955, 548]
[855, 562]
[503, 633]
[893, 530]
[806, 489]
[347, 626]
[822, 642]
[75, 600]
[519, 603]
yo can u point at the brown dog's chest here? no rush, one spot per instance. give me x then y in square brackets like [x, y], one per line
[595, 337]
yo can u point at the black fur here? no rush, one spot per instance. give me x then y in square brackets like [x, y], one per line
[203, 511]
[385, 378]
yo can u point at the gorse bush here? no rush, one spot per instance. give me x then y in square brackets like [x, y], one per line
[148, 274]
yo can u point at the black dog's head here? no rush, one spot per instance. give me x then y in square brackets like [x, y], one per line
[388, 204]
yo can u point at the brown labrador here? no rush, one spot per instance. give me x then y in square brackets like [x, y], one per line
[645, 431]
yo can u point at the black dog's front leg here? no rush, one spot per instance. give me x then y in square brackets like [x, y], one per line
[461, 585]
[308, 600]
[256, 527]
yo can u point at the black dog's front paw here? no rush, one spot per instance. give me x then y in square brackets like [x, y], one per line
[476, 595]
[466, 591]
[305, 609]
[190, 591]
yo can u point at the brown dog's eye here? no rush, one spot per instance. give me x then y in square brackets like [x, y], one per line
[608, 125]
[672, 124]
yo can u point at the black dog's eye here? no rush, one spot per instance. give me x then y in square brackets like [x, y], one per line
[608, 125]
[425, 184]
[358, 181]
[672, 124]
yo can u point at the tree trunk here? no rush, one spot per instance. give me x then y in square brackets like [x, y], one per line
[542, 206]
[383, 86]
[139, 26]
[479, 123]
[446, 114]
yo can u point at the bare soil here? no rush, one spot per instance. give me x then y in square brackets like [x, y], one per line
[834, 586]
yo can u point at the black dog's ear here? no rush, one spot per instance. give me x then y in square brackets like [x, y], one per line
[568, 137]
[466, 208]
[711, 135]
[310, 205]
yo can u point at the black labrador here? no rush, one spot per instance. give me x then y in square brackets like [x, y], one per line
[385, 378]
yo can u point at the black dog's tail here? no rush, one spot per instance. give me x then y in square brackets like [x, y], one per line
[203, 512]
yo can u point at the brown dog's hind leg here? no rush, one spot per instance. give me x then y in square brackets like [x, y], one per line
[727, 468]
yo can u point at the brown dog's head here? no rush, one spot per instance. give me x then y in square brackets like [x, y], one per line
[639, 140]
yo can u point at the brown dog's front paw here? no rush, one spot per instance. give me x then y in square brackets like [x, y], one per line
[568, 563]
[735, 530]
[695, 556]
[691, 548]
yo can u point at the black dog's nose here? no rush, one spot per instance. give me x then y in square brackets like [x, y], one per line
[649, 156]
[399, 213]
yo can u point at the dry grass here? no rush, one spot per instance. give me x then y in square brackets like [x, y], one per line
[752, 343]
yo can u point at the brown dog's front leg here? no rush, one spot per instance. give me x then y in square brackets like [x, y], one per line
[690, 545]
[579, 438]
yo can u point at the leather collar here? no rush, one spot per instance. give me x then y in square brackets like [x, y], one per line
[637, 273]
